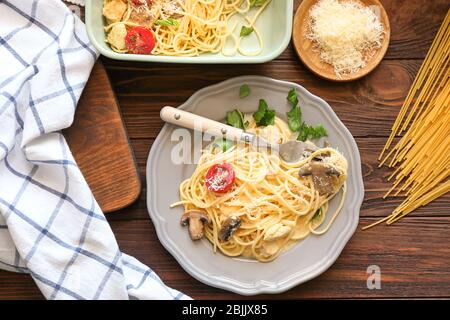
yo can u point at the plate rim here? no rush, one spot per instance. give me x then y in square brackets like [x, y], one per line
[259, 287]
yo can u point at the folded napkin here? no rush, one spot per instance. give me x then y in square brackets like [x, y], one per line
[50, 224]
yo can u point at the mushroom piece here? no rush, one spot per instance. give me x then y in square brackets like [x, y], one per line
[322, 174]
[171, 8]
[144, 18]
[196, 221]
[144, 13]
[229, 226]
[294, 150]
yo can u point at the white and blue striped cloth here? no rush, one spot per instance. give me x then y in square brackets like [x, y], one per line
[50, 224]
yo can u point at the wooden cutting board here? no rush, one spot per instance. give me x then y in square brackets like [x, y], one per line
[100, 145]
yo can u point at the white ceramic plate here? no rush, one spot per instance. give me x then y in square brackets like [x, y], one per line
[304, 261]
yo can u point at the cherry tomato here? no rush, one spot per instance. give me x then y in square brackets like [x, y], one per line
[140, 40]
[220, 178]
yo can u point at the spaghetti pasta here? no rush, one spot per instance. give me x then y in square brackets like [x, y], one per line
[276, 207]
[421, 155]
[184, 27]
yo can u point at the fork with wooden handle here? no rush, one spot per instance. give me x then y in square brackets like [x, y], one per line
[289, 151]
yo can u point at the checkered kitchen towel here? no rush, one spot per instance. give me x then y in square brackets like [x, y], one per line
[50, 224]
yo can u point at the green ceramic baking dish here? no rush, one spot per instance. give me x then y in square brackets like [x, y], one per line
[274, 24]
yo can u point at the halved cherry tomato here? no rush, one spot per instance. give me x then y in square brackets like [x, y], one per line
[220, 178]
[140, 40]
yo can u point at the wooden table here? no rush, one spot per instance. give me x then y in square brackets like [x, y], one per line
[414, 254]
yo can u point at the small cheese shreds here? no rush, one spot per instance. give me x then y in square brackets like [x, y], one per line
[345, 34]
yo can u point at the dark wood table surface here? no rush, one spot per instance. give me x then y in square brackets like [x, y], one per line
[414, 254]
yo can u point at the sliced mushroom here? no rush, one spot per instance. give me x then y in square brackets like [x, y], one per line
[229, 226]
[142, 17]
[316, 167]
[196, 221]
[172, 9]
[144, 13]
[294, 150]
[322, 175]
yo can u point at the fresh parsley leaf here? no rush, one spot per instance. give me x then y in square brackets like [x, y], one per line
[167, 22]
[292, 97]
[294, 118]
[235, 118]
[303, 132]
[223, 144]
[296, 123]
[310, 132]
[318, 131]
[295, 115]
[264, 116]
[244, 91]
[257, 3]
[245, 31]
[262, 108]
[268, 119]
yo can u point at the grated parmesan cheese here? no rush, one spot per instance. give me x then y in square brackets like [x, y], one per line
[345, 33]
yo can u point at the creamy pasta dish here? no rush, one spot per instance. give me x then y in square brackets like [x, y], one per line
[250, 202]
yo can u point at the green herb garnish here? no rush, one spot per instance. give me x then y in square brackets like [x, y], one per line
[311, 132]
[295, 115]
[262, 108]
[235, 118]
[223, 144]
[292, 97]
[269, 118]
[264, 116]
[244, 91]
[245, 31]
[294, 118]
[169, 22]
[317, 215]
[317, 132]
[296, 123]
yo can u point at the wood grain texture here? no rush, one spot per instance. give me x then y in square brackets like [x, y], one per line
[311, 57]
[414, 264]
[100, 145]
[413, 255]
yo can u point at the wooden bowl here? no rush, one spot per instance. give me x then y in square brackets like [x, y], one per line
[311, 58]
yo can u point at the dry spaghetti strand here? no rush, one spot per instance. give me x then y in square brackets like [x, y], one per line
[421, 155]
